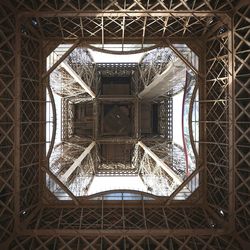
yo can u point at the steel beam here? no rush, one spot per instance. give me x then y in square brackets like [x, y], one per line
[161, 163]
[164, 82]
[184, 183]
[78, 79]
[231, 128]
[137, 118]
[117, 98]
[61, 185]
[96, 118]
[17, 125]
[120, 232]
[118, 140]
[122, 13]
[77, 162]
[179, 54]
[62, 58]
[87, 41]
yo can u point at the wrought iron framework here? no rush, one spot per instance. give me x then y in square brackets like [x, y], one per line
[31, 218]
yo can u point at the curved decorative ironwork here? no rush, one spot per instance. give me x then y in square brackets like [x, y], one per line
[190, 119]
[187, 106]
[52, 141]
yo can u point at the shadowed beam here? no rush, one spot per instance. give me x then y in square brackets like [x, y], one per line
[77, 162]
[161, 163]
[78, 79]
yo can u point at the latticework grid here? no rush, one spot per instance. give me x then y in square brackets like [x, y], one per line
[33, 219]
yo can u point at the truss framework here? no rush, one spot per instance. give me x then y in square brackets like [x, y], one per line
[226, 126]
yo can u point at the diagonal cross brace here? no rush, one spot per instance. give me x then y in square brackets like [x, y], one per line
[62, 58]
[77, 162]
[161, 163]
[77, 78]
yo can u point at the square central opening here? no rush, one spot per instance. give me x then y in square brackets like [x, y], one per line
[117, 119]
[132, 120]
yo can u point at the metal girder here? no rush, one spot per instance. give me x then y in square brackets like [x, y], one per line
[78, 79]
[231, 117]
[17, 140]
[61, 185]
[164, 82]
[121, 140]
[77, 162]
[175, 50]
[215, 188]
[239, 176]
[62, 58]
[125, 13]
[161, 163]
[126, 232]
[117, 98]
[184, 183]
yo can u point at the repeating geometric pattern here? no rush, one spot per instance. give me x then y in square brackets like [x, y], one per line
[7, 122]
[29, 127]
[117, 242]
[154, 19]
[217, 128]
[122, 217]
[140, 226]
[242, 121]
[133, 5]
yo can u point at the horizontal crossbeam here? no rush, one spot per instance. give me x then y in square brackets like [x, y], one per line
[121, 13]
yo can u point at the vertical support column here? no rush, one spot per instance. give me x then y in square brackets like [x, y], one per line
[64, 112]
[67, 109]
[231, 119]
[102, 214]
[123, 215]
[137, 118]
[42, 118]
[96, 121]
[144, 214]
[17, 126]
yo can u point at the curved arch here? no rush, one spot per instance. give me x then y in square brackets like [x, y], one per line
[190, 121]
[129, 52]
[187, 93]
[53, 137]
[182, 125]
[115, 191]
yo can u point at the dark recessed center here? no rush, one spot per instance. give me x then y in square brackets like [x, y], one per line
[116, 120]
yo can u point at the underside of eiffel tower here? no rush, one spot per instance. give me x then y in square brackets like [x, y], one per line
[124, 124]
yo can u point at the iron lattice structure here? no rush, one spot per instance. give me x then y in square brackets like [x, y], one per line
[31, 217]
